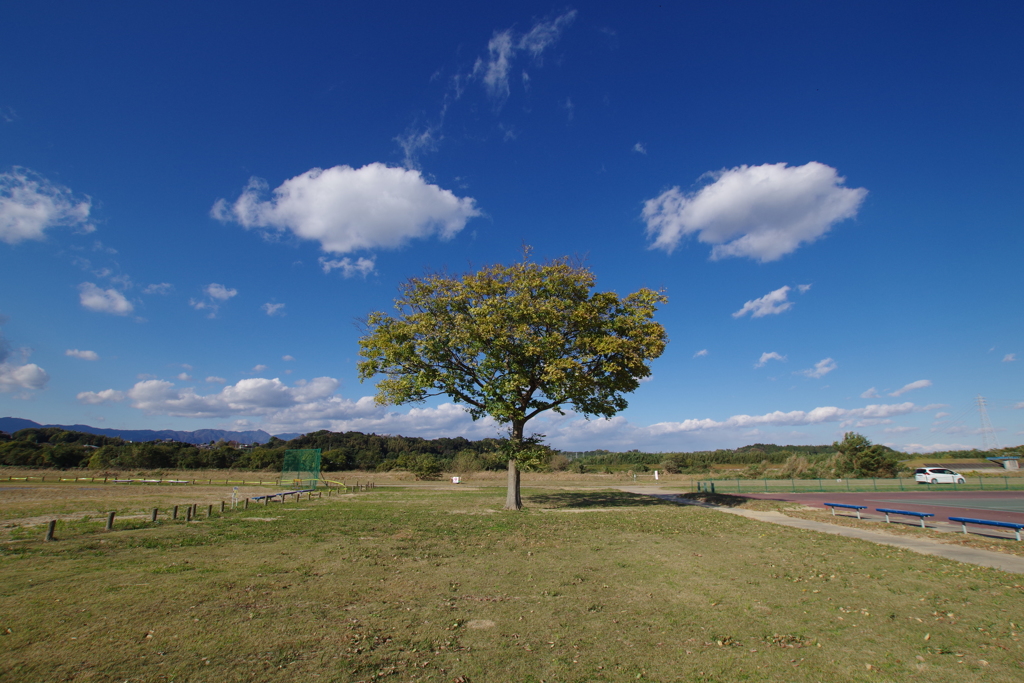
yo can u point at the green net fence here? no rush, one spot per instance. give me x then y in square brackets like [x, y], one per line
[301, 468]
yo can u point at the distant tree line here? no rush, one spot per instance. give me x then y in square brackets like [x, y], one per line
[58, 448]
[53, 447]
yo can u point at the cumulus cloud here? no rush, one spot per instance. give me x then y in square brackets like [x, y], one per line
[346, 209]
[505, 46]
[1009, 358]
[288, 357]
[701, 353]
[899, 430]
[759, 212]
[103, 300]
[15, 373]
[793, 418]
[30, 204]
[258, 368]
[804, 288]
[639, 148]
[821, 368]
[159, 288]
[214, 295]
[256, 396]
[273, 309]
[919, 384]
[97, 397]
[932, 448]
[213, 379]
[771, 303]
[84, 355]
[767, 356]
[348, 267]
[220, 292]
[871, 393]
[184, 376]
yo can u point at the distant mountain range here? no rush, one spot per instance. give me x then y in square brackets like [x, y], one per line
[13, 424]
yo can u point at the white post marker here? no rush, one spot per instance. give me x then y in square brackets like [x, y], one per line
[456, 480]
[234, 498]
[655, 475]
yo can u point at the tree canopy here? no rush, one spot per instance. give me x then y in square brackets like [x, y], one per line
[512, 342]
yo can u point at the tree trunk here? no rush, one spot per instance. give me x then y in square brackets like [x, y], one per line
[512, 499]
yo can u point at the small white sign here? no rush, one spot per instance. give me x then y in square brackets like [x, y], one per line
[456, 480]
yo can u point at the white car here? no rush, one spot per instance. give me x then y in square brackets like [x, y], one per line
[937, 475]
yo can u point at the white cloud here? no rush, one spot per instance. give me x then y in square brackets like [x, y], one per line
[220, 292]
[28, 376]
[1009, 358]
[272, 309]
[347, 209]
[820, 369]
[1019, 406]
[348, 267]
[288, 358]
[941, 415]
[803, 288]
[701, 353]
[84, 355]
[767, 356]
[103, 300]
[792, 418]
[215, 295]
[505, 46]
[899, 430]
[97, 397]
[871, 393]
[760, 212]
[771, 303]
[919, 384]
[921, 448]
[213, 379]
[184, 376]
[639, 148]
[30, 204]
[159, 288]
[256, 396]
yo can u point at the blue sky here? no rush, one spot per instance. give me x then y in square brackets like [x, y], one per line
[198, 201]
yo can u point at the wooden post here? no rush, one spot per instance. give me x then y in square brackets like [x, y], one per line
[49, 530]
[110, 521]
[246, 504]
[188, 514]
[266, 499]
[222, 506]
[152, 517]
[174, 514]
[209, 511]
[195, 509]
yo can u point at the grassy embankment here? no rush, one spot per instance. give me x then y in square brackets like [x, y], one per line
[409, 584]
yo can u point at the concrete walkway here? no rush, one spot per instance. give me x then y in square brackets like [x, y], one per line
[925, 546]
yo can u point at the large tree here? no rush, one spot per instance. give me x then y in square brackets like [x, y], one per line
[513, 342]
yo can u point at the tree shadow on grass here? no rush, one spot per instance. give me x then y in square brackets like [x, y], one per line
[593, 499]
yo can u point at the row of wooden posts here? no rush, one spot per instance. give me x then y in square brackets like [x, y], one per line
[192, 511]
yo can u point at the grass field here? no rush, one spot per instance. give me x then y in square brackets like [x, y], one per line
[416, 584]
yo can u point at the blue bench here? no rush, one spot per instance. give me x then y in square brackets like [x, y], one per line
[858, 508]
[272, 496]
[964, 521]
[920, 515]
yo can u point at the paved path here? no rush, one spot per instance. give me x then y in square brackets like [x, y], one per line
[925, 546]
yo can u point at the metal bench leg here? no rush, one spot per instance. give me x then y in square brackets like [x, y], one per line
[858, 514]
[833, 512]
[964, 527]
[886, 517]
[1018, 533]
[922, 523]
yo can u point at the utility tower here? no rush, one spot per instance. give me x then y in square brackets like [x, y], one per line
[988, 434]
